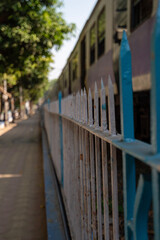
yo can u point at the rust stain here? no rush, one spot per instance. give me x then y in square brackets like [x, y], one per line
[81, 156]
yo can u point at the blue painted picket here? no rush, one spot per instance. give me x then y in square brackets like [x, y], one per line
[61, 134]
[155, 118]
[127, 126]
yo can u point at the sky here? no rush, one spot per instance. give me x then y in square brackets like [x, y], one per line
[75, 11]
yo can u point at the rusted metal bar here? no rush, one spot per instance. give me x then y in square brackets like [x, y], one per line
[88, 190]
[93, 187]
[105, 190]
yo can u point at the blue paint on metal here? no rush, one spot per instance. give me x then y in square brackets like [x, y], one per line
[156, 202]
[48, 104]
[60, 100]
[61, 136]
[142, 206]
[155, 118]
[129, 191]
[55, 226]
[126, 95]
[104, 106]
[127, 126]
[155, 81]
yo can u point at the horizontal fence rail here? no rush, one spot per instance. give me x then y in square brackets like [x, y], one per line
[91, 159]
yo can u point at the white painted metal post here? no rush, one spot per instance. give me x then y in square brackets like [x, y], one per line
[103, 108]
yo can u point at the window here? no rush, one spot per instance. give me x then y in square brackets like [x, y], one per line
[141, 9]
[75, 67]
[101, 33]
[92, 43]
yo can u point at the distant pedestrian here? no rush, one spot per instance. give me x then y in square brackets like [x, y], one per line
[27, 108]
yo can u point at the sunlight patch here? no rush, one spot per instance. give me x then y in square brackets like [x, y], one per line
[10, 175]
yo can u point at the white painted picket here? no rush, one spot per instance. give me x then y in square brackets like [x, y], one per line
[85, 180]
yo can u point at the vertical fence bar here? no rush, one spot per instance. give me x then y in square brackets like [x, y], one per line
[85, 108]
[84, 182]
[127, 125]
[61, 135]
[77, 184]
[98, 165]
[96, 107]
[98, 183]
[111, 107]
[103, 108]
[81, 166]
[105, 190]
[93, 190]
[87, 168]
[82, 107]
[78, 107]
[85, 161]
[88, 192]
[49, 122]
[114, 192]
[104, 163]
[112, 130]
[156, 202]
[155, 118]
[90, 117]
[92, 169]
[81, 184]
[48, 101]
[155, 89]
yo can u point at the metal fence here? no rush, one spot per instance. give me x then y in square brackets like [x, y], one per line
[84, 151]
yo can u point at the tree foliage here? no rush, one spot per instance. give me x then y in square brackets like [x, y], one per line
[29, 29]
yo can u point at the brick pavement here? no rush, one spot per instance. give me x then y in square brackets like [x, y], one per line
[22, 212]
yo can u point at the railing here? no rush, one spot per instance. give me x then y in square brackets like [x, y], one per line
[84, 153]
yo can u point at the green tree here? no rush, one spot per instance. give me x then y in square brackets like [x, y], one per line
[29, 29]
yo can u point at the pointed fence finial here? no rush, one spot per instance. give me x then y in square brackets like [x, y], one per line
[103, 107]
[126, 92]
[85, 107]
[68, 106]
[82, 110]
[71, 106]
[90, 108]
[111, 107]
[78, 107]
[155, 84]
[59, 101]
[96, 107]
[102, 84]
[74, 106]
[95, 87]
[48, 104]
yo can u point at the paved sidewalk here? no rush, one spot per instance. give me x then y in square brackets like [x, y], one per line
[22, 211]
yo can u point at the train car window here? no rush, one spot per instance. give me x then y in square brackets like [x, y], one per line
[92, 43]
[75, 67]
[141, 10]
[101, 33]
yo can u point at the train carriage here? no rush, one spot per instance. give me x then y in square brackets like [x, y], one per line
[96, 54]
